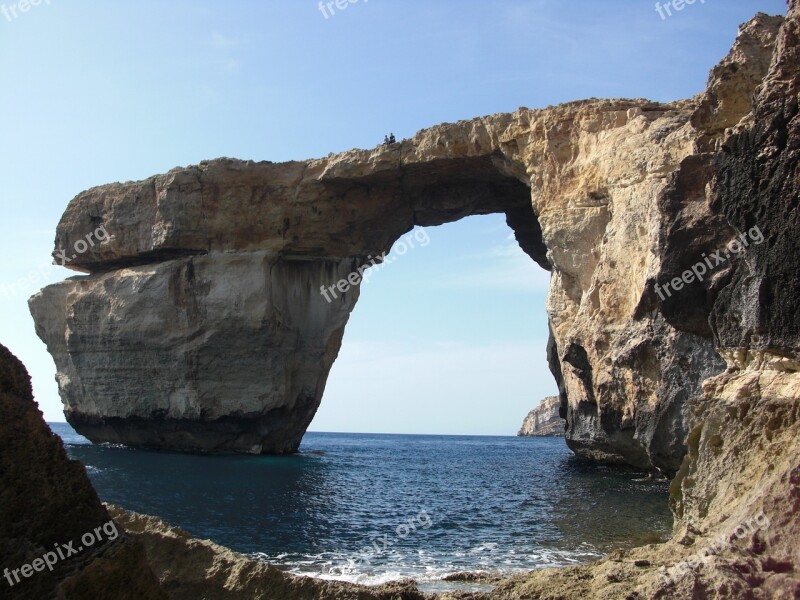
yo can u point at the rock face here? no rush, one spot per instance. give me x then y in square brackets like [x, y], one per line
[215, 352]
[200, 324]
[736, 498]
[544, 420]
[47, 502]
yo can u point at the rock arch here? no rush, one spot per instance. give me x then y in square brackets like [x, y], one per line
[200, 325]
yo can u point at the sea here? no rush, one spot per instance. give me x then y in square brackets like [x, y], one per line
[371, 508]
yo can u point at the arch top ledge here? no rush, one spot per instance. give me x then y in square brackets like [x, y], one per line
[320, 207]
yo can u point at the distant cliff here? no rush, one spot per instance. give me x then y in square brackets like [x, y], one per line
[544, 420]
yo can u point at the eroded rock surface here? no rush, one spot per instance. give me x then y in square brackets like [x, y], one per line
[736, 498]
[544, 420]
[224, 351]
[201, 326]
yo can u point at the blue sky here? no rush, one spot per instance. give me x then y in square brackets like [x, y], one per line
[448, 338]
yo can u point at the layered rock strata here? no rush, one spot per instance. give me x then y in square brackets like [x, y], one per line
[544, 420]
[201, 325]
[736, 497]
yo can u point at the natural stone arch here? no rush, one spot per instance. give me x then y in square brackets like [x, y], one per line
[200, 325]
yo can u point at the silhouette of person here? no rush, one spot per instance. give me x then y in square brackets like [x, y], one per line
[386, 140]
[391, 138]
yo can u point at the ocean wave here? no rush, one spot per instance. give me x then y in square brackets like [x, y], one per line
[426, 567]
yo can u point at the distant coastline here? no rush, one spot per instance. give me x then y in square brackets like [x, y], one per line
[544, 420]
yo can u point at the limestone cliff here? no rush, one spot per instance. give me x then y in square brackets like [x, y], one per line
[200, 324]
[544, 420]
[736, 498]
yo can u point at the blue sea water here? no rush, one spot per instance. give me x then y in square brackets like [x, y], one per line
[369, 508]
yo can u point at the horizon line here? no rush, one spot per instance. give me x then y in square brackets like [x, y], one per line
[386, 433]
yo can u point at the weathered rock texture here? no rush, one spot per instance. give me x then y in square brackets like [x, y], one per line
[201, 326]
[736, 497]
[46, 499]
[743, 460]
[544, 420]
[228, 351]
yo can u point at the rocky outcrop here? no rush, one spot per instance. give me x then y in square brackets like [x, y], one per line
[544, 420]
[189, 569]
[48, 506]
[736, 496]
[215, 352]
[200, 324]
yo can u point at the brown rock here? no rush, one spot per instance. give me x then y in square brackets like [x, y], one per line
[191, 569]
[47, 500]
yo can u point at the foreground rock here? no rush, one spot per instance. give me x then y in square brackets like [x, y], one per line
[47, 503]
[192, 569]
[544, 420]
[201, 325]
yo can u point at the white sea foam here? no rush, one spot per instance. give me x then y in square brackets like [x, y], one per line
[428, 568]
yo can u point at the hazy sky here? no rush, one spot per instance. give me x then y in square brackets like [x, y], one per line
[449, 338]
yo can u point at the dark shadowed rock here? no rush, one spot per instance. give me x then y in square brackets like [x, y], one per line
[47, 500]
